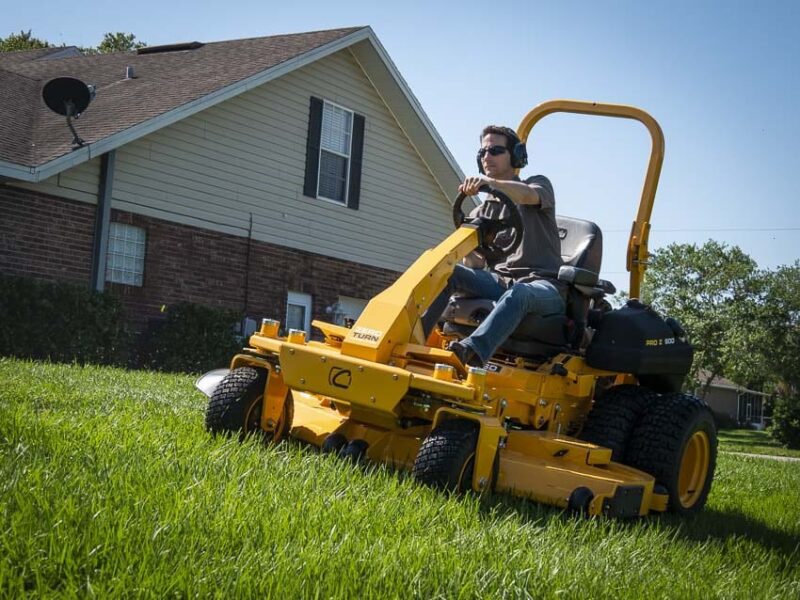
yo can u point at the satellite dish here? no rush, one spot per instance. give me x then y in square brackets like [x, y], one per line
[69, 97]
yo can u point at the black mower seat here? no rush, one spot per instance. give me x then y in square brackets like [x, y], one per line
[581, 251]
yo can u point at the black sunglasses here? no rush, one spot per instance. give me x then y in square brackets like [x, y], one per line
[493, 150]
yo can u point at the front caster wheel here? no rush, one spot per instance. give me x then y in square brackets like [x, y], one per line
[334, 444]
[446, 459]
[236, 403]
[579, 501]
[355, 451]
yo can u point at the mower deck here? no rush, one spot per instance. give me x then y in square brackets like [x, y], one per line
[537, 465]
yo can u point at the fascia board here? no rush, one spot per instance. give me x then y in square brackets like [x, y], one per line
[446, 184]
[412, 100]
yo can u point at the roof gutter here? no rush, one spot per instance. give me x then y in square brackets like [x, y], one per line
[18, 172]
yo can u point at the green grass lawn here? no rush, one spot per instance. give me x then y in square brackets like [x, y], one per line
[109, 486]
[753, 442]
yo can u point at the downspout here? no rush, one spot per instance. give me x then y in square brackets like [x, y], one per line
[102, 220]
[247, 266]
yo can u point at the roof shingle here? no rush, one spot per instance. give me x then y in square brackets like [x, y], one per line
[31, 135]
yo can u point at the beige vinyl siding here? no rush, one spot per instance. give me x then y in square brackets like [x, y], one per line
[247, 155]
[79, 183]
[723, 401]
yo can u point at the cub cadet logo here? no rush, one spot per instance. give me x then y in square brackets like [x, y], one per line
[341, 378]
[368, 335]
[660, 342]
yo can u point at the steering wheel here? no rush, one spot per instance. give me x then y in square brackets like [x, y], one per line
[489, 227]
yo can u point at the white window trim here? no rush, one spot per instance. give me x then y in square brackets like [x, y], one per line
[299, 299]
[348, 156]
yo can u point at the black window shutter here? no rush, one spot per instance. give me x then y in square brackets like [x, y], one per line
[356, 153]
[312, 147]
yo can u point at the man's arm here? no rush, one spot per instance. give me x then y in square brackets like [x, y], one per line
[519, 191]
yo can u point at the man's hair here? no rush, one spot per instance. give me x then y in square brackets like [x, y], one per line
[510, 134]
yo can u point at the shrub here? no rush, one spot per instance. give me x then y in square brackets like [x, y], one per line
[192, 338]
[786, 420]
[62, 322]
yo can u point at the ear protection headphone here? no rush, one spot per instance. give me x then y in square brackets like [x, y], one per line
[519, 153]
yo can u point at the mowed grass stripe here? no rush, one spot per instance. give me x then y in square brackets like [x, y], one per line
[110, 486]
[754, 442]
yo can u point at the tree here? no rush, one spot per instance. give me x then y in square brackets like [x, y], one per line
[713, 290]
[743, 322]
[112, 42]
[780, 321]
[780, 347]
[115, 42]
[22, 41]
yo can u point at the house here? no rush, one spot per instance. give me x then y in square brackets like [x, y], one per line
[735, 404]
[290, 176]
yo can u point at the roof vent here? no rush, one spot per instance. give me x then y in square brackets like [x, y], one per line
[169, 48]
[130, 73]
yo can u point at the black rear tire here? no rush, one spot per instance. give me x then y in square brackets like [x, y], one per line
[236, 403]
[446, 459]
[676, 442]
[614, 416]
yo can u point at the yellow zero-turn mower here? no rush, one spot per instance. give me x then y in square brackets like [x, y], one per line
[582, 411]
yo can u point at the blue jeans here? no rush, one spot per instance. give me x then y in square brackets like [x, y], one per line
[512, 304]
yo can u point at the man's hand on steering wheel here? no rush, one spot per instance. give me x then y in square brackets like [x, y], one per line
[489, 227]
[472, 184]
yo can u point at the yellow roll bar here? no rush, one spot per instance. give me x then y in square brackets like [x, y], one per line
[636, 262]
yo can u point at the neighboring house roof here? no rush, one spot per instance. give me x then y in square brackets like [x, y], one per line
[171, 85]
[726, 384]
[11, 58]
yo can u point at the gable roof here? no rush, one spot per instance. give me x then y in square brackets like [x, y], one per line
[722, 383]
[174, 84]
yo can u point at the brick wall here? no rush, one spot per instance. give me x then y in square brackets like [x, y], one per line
[51, 238]
[45, 237]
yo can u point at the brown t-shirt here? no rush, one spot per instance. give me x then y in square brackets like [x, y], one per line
[539, 254]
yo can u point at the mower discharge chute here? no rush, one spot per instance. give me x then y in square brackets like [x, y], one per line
[581, 411]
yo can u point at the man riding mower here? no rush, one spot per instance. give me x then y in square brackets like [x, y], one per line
[579, 409]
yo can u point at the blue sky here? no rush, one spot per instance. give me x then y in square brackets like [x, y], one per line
[722, 78]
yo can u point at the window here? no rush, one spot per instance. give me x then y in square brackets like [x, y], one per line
[298, 311]
[347, 309]
[125, 257]
[334, 152]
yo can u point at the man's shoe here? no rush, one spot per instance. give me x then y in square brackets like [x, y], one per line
[465, 354]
